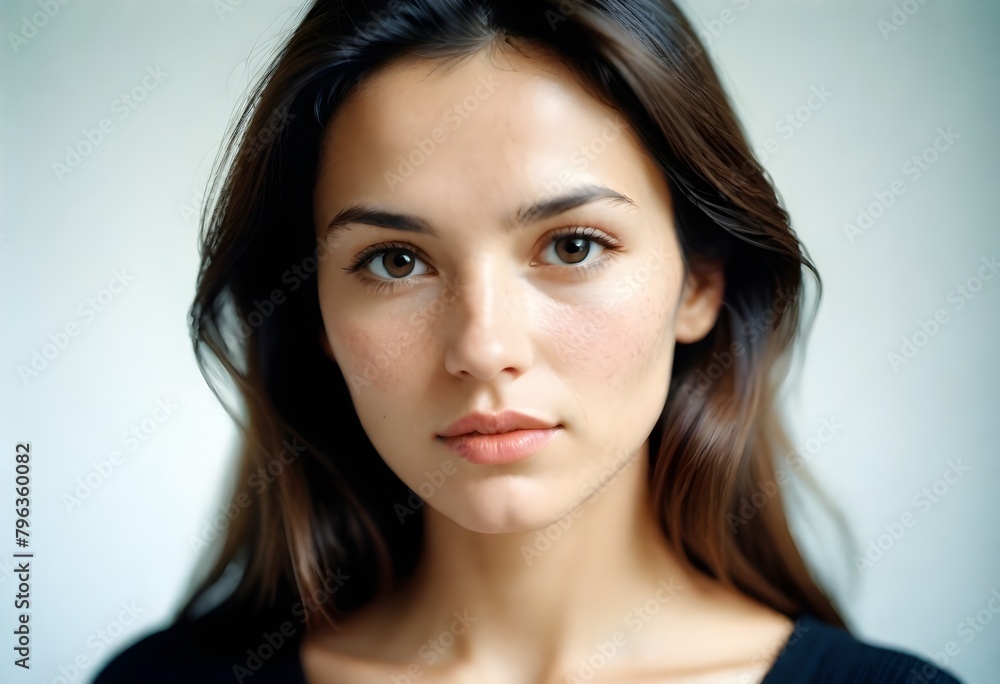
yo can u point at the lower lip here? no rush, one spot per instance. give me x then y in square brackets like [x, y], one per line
[506, 447]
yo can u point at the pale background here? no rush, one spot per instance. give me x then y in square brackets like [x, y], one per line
[130, 205]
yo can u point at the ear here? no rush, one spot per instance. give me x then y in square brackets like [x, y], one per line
[700, 302]
[324, 342]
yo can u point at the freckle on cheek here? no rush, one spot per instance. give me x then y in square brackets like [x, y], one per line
[367, 352]
[610, 345]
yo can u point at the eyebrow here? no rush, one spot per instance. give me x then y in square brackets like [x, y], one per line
[554, 206]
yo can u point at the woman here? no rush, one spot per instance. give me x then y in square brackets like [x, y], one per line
[507, 300]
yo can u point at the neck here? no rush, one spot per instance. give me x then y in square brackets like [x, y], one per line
[557, 590]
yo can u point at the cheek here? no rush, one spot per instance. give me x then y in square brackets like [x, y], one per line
[612, 339]
[372, 357]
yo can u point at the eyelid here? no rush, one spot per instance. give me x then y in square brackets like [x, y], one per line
[360, 262]
[582, 230]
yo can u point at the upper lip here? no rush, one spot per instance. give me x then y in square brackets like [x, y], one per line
[492, 424]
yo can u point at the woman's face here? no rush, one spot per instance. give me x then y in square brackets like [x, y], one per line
[515, 249]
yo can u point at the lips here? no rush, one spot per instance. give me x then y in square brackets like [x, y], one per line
[493, 424]
[497, 439]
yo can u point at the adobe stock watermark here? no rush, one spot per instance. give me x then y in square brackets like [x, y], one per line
[914, 168]
[454, 116]
[767, 490]
[31, 25]
[421, 319]
[294, 277]
[900, 14]
[562, 12]
[790, 123]
[6, 570]
[583, 156]
[969, 628]
[101, 471]
[122, 106]
[86, 311]
[272, 642]
[710, 31]
[96, 644]
[752, 329]
[594, 487]
[922, 502]
[433, 481]
[435, 647]
[192, 210]
[418, 322]
[580, 159]
[224, 7]
[765, 657]
[627, 285]
[958, 297]
[277, 121]
[596, 319]
[258, 480]
[363, 34]
[635, 619]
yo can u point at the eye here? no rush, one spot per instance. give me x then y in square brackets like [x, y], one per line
[389, 261]
[579, 246]
[392, 264]
[579, 249]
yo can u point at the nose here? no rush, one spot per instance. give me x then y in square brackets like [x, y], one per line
[487, 326]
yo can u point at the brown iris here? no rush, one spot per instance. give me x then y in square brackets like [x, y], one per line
[398, 259]
[576, 251]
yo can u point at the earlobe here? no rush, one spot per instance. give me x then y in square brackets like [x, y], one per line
[700, 303]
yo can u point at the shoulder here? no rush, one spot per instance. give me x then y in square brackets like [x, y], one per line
[224, 645]
[818, 652]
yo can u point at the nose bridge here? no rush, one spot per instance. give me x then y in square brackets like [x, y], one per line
[487, 325]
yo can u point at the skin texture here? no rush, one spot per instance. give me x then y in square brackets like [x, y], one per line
[549, 557]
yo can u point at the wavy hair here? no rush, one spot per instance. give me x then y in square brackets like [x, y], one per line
[314, 496]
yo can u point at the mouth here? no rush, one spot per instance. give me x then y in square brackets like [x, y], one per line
[496, 423]
[500, 447]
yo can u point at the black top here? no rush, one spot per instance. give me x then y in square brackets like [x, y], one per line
[227, 645]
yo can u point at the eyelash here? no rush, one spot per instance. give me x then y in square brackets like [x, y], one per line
[379, 285]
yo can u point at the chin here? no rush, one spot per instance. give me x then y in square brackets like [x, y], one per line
[504, 505]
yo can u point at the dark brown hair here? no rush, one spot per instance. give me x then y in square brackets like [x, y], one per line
[320, 497]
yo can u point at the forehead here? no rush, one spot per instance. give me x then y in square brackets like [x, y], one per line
[484, 133]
